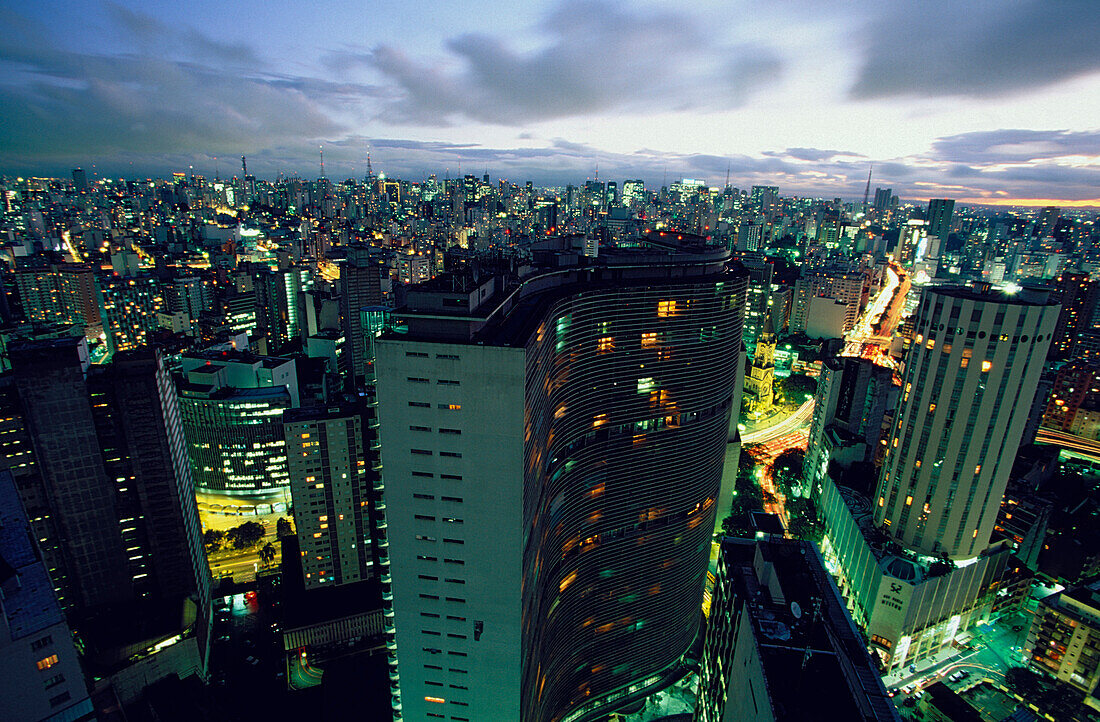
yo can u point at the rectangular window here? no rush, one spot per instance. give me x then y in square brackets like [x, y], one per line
[415, 354]
[423, 474]
[420, 428]
[432, 597]
[455, 499]
[60, 699]
[450, 454]
[420, 404]
[426, 497]
[54, 681]
[457, 600]
[450, 407]
[417, 380]
[423, 517]
[47, 662]
[423, 537]
[453, 561]
[447, 382]
[450, 431]
[448, 356]
[455, 581]
[40, 643]
[421, 452]
[452, 520]
[452, 477]
[452, 541]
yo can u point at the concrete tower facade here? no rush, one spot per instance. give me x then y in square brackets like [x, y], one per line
[553, 454]
[970, 379]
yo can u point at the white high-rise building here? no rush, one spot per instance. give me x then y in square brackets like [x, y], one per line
[552, 459]
[969, 383]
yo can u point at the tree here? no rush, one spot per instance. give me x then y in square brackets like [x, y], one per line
[283, 528]
[267, 553]
[248, 534]
[788, 468]
[213, 539]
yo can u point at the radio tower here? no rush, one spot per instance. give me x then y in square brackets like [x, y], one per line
[867, 190]
[322, 160]
[244, 166]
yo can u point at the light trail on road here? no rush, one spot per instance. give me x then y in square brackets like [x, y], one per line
[792, 423]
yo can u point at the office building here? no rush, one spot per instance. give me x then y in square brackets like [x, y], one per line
[553, 456]
[970, 378]
[232, 405]
[1073, 405]
[940, 213]
[115, 484]
[80, 180]
[278, 304]
[331, 485]
[1064, 639]
[780, 645]
[364, 282]
[759, 296]
[1078, 296]
[853, 397]
[129, 308]
[840, 284]
[916, 564]
[40, 673]
[64, 293]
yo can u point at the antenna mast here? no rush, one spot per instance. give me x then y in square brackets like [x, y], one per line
[867, 190]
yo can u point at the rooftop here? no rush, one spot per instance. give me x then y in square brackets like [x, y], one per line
[815, 662]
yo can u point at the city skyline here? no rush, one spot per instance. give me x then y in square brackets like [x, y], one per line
[984, 108]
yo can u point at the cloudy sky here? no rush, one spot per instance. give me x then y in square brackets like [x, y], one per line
[987, 101]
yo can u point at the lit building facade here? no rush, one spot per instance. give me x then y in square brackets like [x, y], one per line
[916, 564]
[1064, 639]
[331, 485]
[232, 406]
[970, 379]
[553, 463]
[129, 308]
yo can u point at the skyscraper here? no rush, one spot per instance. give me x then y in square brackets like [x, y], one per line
[232, 404]
[552, 457]
[364, 282]
[970, 378]
[940, 212]
[915, 561]
[116, 481]
[331, 488]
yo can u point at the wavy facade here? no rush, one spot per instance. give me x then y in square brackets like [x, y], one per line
[552, 457]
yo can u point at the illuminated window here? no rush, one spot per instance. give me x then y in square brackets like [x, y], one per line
[47, 662]
[666, 309]
[569, 579]
[649, 340]
[908, 501]
[986, 366]
[605, 344]
[647, 384]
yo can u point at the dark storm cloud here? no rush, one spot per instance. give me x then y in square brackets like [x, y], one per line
[1015, 145]
[982, 48]
[811, 154]
[599, 56]
[64, 106]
